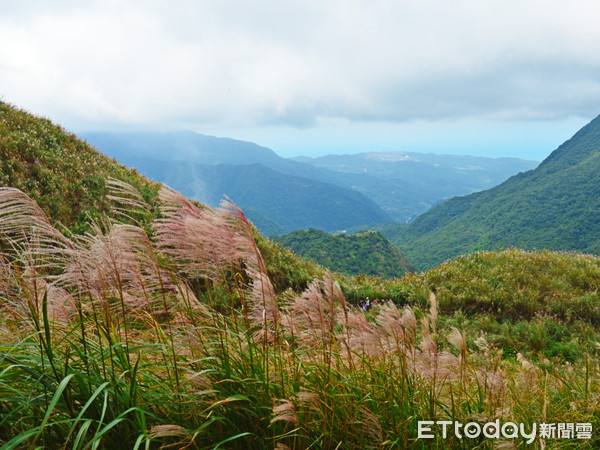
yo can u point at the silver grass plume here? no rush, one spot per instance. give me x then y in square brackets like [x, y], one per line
[263, 305]
[313, 315]
[198, 239]
[285, 411]
[21, 219]
[126, 200]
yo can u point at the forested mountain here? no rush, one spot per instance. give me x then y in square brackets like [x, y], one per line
[283, 195]
[186, 146]
[402, 185]
[279, 202]
[365, 253]
[408, 184]
[556, 206]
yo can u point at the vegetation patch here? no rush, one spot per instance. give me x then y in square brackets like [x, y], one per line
[365, 253]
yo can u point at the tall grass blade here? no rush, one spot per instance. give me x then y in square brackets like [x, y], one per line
[55, 398]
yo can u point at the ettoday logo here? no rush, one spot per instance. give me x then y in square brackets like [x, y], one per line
[508, 430]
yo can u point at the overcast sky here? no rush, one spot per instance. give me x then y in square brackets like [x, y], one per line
[486, 77]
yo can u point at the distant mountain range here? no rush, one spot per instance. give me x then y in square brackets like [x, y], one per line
[332, 193]
[277, 203]
[556, 206]
[186, 146]
[408, 184]
[282, 195]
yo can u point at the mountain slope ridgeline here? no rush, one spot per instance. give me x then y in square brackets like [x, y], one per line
[555, 206]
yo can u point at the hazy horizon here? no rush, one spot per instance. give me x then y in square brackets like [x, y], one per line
[290, 143]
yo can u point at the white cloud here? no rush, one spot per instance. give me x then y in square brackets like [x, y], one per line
[241, 63]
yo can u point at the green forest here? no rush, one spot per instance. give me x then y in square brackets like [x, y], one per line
[364, 253]
[555, 207]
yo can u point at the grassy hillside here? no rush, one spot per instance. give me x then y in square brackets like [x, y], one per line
[537, 303]
[65, 176]
[194, 332]
[68, 179]
[366, 253]
[556, 206]
[140, 354]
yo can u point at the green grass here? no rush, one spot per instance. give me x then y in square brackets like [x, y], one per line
[124, 356]
[544, 304]
[183, 327]
[63, 174]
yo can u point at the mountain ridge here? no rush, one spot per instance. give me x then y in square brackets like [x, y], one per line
[402, 190]
[286, 202]
[194, 147]
[555, 206]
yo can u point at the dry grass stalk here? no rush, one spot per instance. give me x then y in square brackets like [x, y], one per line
[284, 412]
[198, 239]
[207, 244]
[371, 427]
[185, 439]
[19, 212]
[263, 304]
[21, 220]
[314, 314]
[363, 337]
[125, 198]
[308, 399]
[433, 311]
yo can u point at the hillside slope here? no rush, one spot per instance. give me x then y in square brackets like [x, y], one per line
[366, 253]
[556, 206]
[65, 176]
[282, 202]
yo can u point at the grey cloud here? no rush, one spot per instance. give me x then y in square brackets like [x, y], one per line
[518, 90]
[296, 63]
